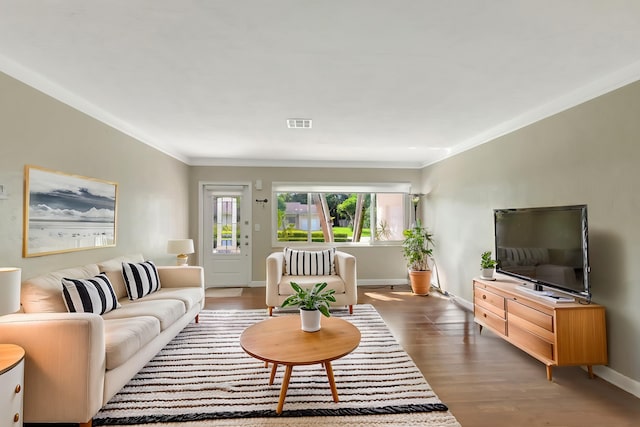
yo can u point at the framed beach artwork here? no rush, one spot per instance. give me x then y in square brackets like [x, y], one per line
[65, 213]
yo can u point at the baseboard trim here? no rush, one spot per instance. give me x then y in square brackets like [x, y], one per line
[361, 282]
[462, 302]
[382, 282]
[617, 379]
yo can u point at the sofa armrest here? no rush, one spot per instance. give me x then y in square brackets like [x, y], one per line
[179, 276]
[275, 264]
[64, 364]
[275, 267]
[346, 269]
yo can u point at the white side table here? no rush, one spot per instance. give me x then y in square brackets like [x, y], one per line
[11, 384]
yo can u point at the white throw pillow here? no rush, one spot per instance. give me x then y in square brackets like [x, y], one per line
[309, 263]
[140, 278]
[93, 295]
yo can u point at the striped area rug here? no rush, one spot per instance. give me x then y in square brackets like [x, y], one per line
[203, 377]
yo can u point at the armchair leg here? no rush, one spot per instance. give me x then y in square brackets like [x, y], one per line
[350, 309]
[270, 310]
[197, 318]
[87, 424]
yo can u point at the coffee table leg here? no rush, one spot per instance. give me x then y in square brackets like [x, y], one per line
[285, 387]
[273, 373]
[332, 382]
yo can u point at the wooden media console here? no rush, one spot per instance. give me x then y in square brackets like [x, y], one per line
[557, 334]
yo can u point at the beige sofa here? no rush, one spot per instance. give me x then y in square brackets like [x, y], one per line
[343, 280]
[75, 362]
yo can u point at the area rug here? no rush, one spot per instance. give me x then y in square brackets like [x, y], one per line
[204, 378]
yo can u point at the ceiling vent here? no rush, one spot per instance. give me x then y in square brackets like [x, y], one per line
[299, 123]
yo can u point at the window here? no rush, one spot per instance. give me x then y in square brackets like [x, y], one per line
[226, 220]
[366, 214]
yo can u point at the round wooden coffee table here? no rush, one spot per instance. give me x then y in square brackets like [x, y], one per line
[279, 340]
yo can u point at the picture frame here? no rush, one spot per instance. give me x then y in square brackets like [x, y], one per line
[66, 213]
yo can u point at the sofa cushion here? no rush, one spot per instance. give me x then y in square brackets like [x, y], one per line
[94, 295]
[307, 282]
[189, 296]
[140, 278]
[117, 281]
[113, 269]
[43, 294]
[309, 263]
[125, 337]
[167, 311]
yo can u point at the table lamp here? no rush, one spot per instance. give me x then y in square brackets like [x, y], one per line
[181, 247]
[9, 290]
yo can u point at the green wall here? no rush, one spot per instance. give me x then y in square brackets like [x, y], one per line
[36, 129]
[376, 265]
[588, 154]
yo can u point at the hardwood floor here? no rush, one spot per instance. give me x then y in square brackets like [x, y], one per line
[485, 381]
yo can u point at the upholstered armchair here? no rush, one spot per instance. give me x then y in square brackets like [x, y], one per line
[308, 267]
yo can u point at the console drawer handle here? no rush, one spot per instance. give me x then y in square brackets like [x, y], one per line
[484, 297]
[18, 389]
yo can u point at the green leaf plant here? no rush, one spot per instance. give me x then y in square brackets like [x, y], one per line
[311, 299]
[415, 247]
[486, 261]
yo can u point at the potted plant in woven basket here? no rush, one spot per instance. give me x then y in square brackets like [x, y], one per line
[312, 303]
[417, 251]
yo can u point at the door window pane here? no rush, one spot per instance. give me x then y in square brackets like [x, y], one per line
[226, 224]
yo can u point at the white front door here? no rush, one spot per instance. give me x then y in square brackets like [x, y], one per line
[226, 235]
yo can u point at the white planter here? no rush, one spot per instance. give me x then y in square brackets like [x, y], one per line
[487, 273]
[310, 320]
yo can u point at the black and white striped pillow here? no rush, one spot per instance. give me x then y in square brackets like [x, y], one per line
[93, 295]
[309, 263]
[140, 278]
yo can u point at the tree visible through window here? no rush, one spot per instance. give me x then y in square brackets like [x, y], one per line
[340, 217]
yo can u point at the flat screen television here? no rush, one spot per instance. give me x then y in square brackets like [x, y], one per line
[545, 246]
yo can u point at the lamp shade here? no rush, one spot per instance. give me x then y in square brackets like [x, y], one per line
[180, 246]
[9, 290]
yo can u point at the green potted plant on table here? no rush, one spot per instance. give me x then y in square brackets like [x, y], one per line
[417, 251]
[312, 303]
[487, 265]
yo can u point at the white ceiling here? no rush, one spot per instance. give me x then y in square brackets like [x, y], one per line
[388, 83]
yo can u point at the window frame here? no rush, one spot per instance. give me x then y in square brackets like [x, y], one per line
[309, 188]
